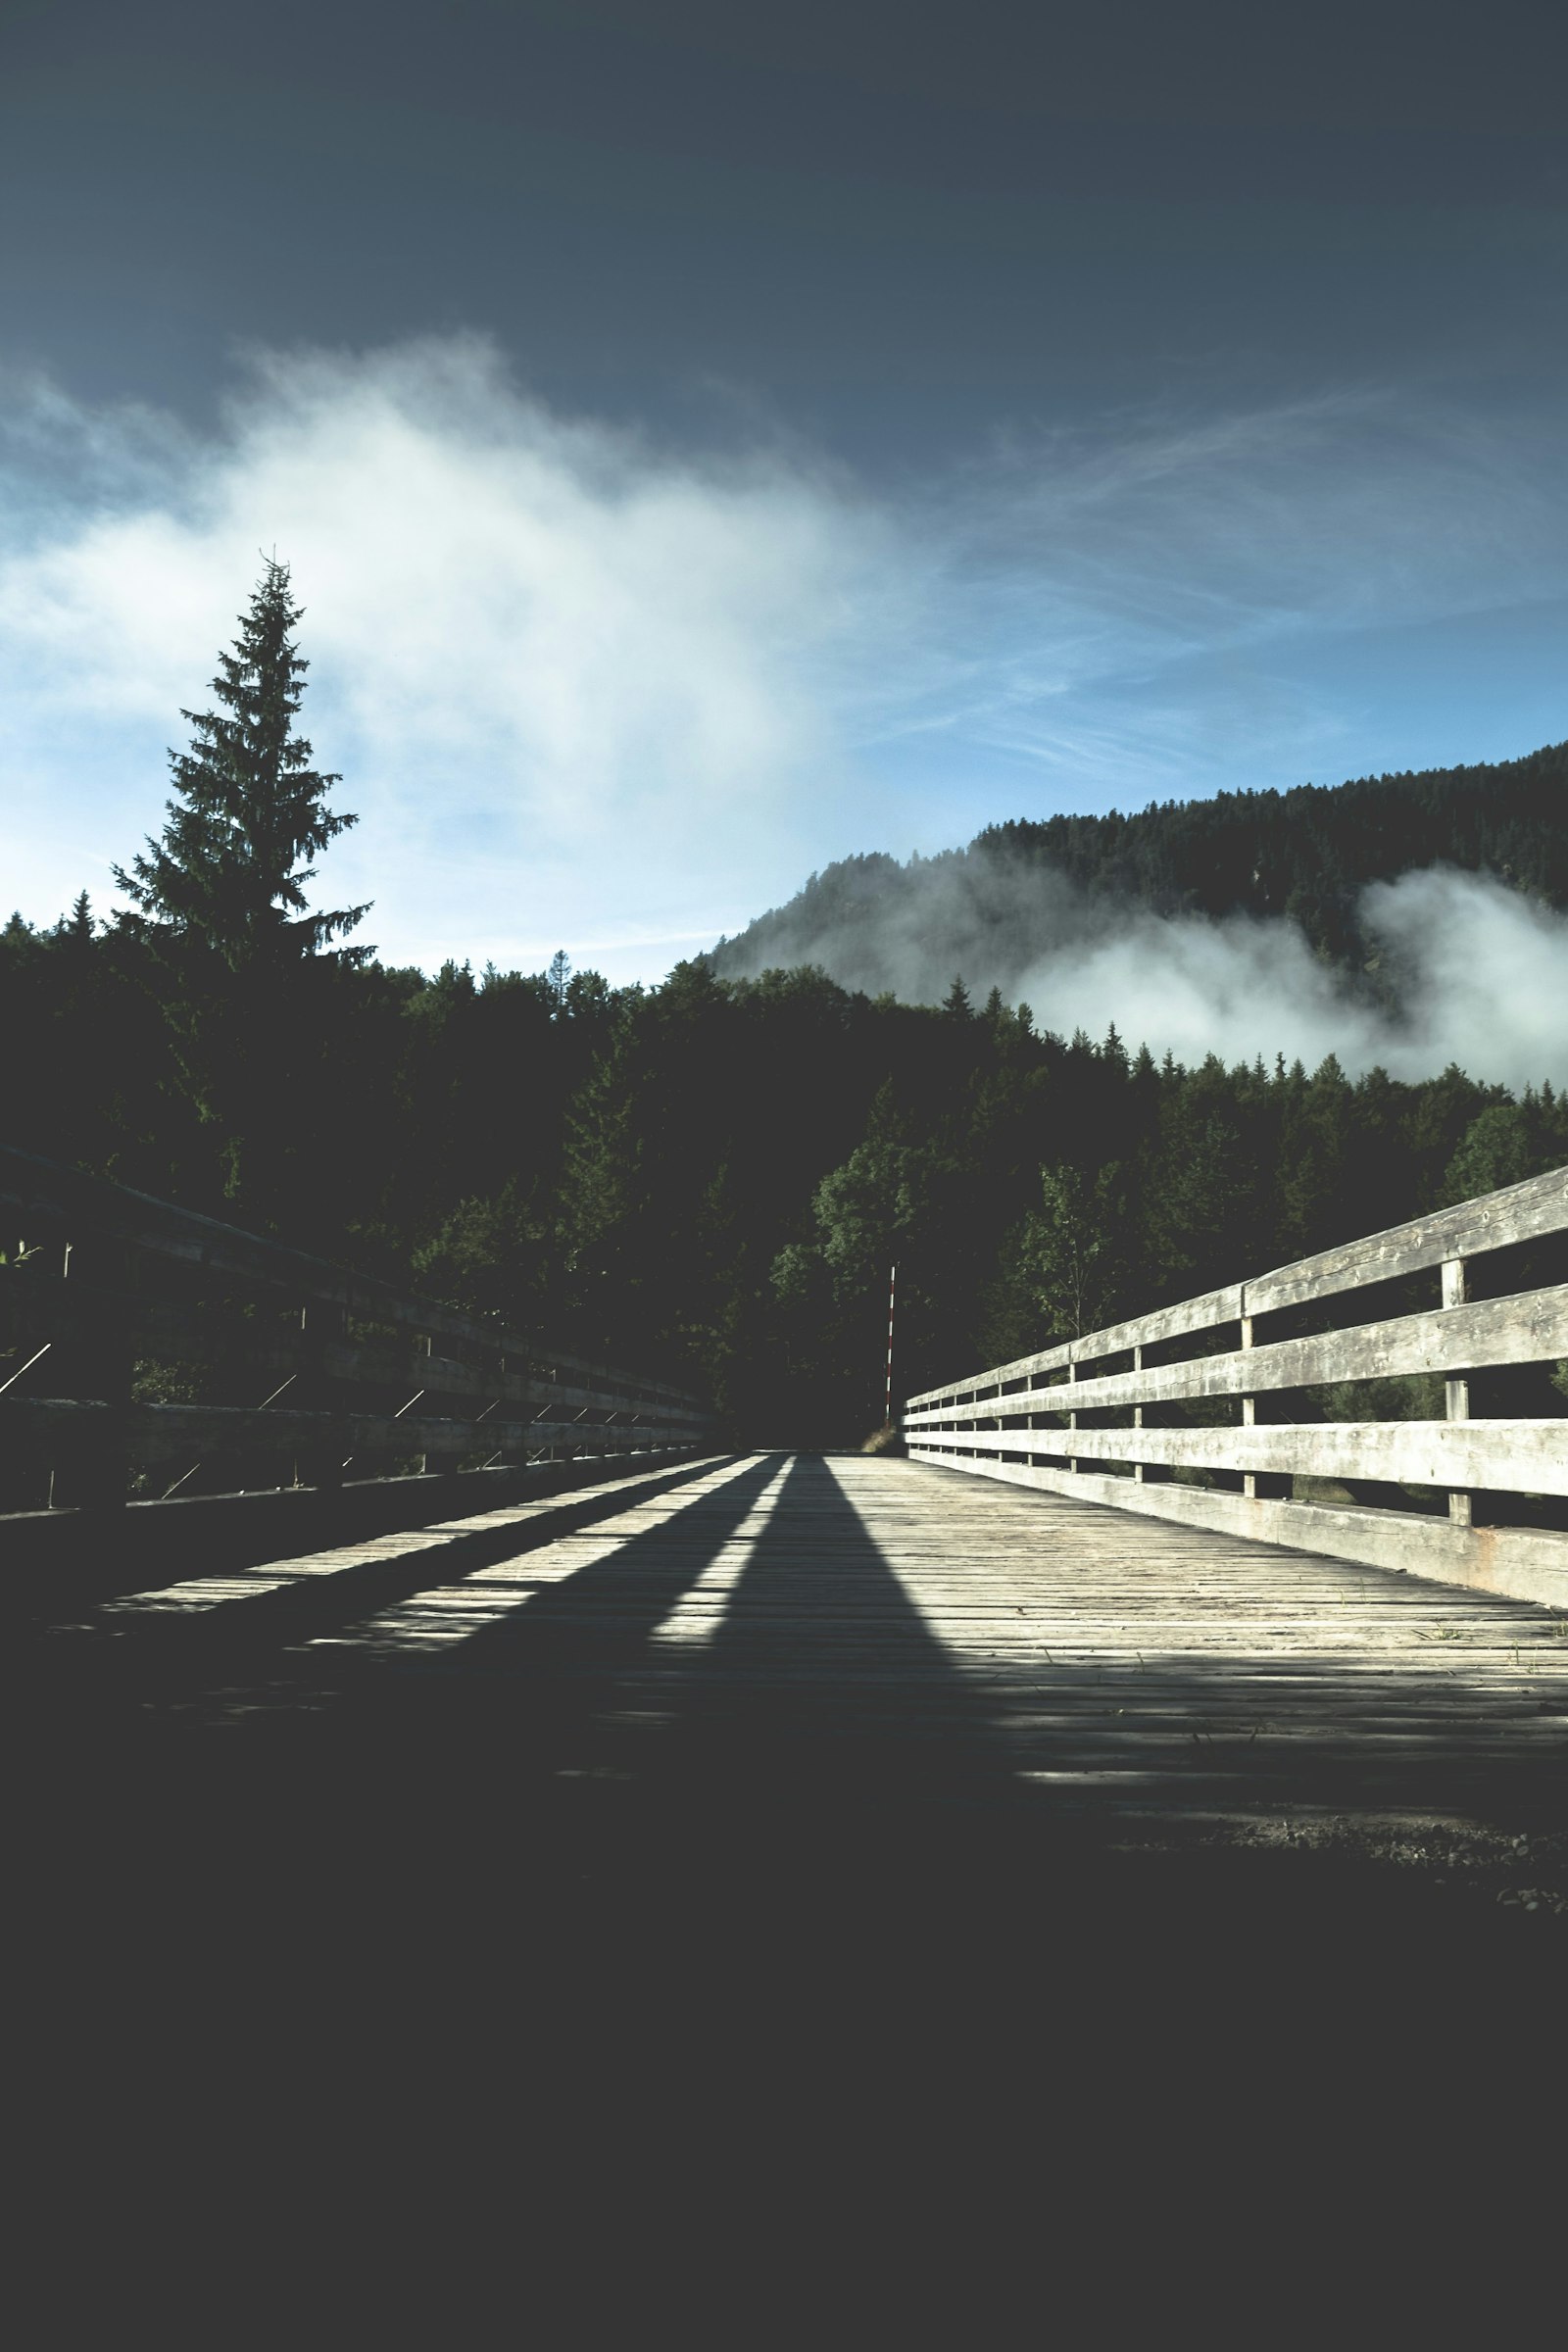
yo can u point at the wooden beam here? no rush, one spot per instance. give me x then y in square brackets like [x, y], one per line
[1495, 1220]
[1527, 1329]
[1519, 1212]
[46, 1195]
[1528, 1457]
[68, 1430]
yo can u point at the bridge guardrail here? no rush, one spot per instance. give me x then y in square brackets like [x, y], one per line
[1071, 1418]
[305, 1371]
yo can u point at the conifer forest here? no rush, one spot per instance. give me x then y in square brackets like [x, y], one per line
[715, 1175]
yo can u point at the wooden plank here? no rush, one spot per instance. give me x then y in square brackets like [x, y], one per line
[1529, 1328]
[42, 1191]
[1523, 1563]
[882, 1628]
[1519, 1212]
[1528, 1457]
[1212, 1310]
[164, 1329]
[1204, 1313]
[68, 1430]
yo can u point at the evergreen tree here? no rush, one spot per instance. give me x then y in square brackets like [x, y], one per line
[1070, 1255]
[219, 935]
[1501, 1146]
[228, 873]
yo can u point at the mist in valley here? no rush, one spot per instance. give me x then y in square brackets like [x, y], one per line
[1461, 968]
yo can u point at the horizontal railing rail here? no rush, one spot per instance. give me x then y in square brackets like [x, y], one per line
[1050, 1419]
[146, 1349]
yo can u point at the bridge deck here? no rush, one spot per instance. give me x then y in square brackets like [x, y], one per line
[871, 1628]
[851, 1762]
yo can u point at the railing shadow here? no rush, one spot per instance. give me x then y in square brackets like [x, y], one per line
[823, 1680]
[816, 1685]
[816, 1815]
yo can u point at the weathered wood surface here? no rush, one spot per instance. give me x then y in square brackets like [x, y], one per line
[885, 1626]
[921, 1816]
[289, 1358]
[1531, 1327]
[1204, 1314]
[1000, 1422]
[68, 1429]
[1519, 1212]
[1523, 1456]
[165, 1330]
[46, 1196]
[1522, 1562]
[50, 1198]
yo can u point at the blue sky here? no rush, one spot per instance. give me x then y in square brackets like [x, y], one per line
[707, 446]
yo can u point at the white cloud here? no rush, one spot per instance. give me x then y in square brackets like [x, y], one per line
[588, 691]
[571, 681]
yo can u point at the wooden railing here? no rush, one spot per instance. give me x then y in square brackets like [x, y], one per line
[147, 1351]
[1467, 1283]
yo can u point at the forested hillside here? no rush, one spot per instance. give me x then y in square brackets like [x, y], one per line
[717, 1174]
[1020, 888]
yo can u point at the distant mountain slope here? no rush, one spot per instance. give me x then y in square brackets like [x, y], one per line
[1028, 889]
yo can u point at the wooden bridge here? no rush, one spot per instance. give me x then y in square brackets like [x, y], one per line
[655, 1674]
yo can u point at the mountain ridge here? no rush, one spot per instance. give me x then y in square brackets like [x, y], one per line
[1307, 854]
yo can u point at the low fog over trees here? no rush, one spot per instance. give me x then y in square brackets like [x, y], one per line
[718, 1173]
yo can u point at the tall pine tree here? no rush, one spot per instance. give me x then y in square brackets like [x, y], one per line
[249, 988]
[229, 873]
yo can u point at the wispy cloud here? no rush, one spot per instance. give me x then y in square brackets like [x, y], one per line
[584, 688]
[1132, 607]
[572, 680]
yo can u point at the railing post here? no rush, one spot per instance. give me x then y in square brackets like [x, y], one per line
[1249, 1413]
[1138, 1417]
[103, 1365]
[1072, 1418]
[1456, 1393]
[323, 1323]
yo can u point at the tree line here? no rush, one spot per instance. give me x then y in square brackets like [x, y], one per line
[713, 1175]
[1306, 855]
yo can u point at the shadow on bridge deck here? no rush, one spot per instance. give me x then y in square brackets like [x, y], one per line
[854, 1808]
[805, 1674]
[769, 1859]
[844, 1697]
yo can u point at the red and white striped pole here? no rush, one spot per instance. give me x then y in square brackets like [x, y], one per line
[886, 1416]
